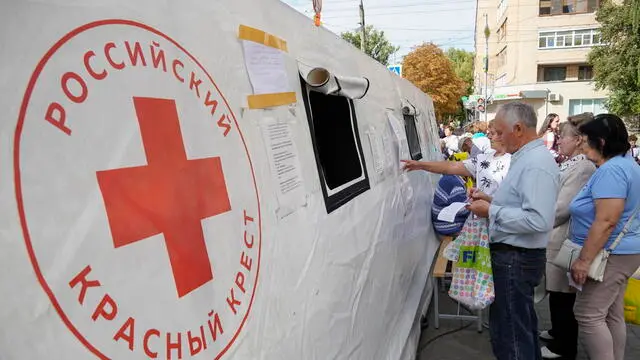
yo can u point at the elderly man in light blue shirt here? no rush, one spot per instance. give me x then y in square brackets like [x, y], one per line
[521, 216]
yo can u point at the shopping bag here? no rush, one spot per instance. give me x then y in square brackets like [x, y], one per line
[452, 250]
[472, 282]
[632, 302]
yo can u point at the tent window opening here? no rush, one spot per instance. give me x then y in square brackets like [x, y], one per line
[412, 137]
[337, 146]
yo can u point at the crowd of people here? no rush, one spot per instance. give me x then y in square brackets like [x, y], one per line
[570, 184]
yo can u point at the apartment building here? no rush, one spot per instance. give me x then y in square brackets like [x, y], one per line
[538, 54]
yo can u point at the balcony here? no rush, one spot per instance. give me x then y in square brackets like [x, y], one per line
[567, 39]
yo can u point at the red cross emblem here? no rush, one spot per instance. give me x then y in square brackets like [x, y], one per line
[171, 195]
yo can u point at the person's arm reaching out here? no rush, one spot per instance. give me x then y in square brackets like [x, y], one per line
[438, 167]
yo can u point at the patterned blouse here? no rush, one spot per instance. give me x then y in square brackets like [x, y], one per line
[489, 170]
[572, 161]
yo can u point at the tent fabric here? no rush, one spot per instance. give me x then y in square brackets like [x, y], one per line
[408, 108]
[142, 204]
[322, 80]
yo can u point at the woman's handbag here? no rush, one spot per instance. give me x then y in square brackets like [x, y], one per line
[570, 251]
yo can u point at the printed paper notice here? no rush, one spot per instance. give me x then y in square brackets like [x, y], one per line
[377, 151]
[266, 68]
[449, 213]
[401, 137]
[285, 166]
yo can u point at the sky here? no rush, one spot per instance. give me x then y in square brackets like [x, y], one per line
[406, 23]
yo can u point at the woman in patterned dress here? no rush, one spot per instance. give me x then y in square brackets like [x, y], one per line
[487, 169]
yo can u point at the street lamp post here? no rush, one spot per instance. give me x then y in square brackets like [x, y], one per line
[487, 33]
[363, 38]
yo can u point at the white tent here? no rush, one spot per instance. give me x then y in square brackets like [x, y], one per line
[206, 179]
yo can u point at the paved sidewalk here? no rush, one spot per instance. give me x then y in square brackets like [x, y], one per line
[468, 344]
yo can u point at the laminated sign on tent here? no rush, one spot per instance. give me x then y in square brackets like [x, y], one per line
[206, 180]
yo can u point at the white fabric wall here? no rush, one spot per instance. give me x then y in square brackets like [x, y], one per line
[345, 285]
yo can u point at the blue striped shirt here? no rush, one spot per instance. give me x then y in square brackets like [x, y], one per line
[450, 189]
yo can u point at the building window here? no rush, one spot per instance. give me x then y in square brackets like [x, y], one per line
[336, 143]
[561, 7]
[568, 39]
[502, 31]
[502, 57]
[579, 106]
[412, 137]
[552, 73]
[585, 72]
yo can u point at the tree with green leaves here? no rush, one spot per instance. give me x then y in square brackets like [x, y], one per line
[616, 63]
[429, 69]
[376, 43]
[462, 62]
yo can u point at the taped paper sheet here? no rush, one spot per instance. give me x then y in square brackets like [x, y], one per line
[266, 68]
[261, 37]
[264, 57]
[285, 165]
[377, 150]
[401, 137]
[449, 213]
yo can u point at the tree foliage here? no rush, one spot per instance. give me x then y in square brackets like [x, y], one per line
[429, 69]
[376, 43]
[462, 62]
[616, 64]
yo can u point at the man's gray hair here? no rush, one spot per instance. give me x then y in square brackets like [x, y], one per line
[519, 112]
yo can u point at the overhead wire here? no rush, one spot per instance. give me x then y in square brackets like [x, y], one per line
[417, 42]
[399, 13]
[353, 11]
[415, 3]
[408, 5]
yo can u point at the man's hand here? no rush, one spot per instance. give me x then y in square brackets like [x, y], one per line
[411, 165]
[475, 194]
[479, 208]
[580, 271]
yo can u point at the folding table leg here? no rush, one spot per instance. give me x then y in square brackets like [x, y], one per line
[436, 308]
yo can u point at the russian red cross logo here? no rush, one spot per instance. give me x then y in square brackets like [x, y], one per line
[170, 195]
[137, 195]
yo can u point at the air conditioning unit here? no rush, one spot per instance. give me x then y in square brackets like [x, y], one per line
[554, 97]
